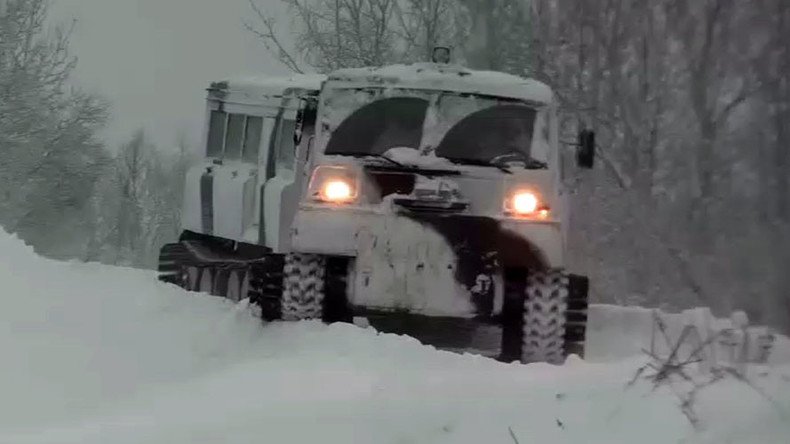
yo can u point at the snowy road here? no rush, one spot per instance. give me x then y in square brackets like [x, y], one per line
[96, 354]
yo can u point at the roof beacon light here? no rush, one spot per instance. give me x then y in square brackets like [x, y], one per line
[441, 54]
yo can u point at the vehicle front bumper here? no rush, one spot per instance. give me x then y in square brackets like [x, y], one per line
[349, 231]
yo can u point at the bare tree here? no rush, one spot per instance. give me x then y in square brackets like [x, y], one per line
[138, 203]
[499, 36]
[717, 86]
[662, 82]
[132, 170]
[424, 24]
[47, 132]
[332, 34]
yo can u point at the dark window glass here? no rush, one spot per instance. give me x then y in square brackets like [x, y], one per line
[285, 150]
[252, 139]
[234, 136]
[216, 134]
[379, 126]
[489, 133]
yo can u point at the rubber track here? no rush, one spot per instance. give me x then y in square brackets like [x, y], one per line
[171, 257]
[266, 274]
[266, 286]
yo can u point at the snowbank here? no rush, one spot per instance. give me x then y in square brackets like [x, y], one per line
[616, 332]
[95, 354]
[76, 336]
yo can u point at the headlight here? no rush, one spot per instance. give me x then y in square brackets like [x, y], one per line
[526, 203]
[334, 184]
[337, 191]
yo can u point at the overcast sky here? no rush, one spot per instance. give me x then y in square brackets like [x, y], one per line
[154, 58]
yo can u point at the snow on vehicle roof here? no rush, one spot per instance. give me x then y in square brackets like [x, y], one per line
[270, 84]
[447, 78]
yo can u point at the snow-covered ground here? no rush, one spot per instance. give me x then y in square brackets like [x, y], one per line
[96, 354]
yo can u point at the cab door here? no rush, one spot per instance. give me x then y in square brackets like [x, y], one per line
[285, 177]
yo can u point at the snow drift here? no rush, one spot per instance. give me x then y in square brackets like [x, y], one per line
[96, 354]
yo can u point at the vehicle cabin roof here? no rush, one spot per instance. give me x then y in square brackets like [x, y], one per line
[254, 88]
[454, 78]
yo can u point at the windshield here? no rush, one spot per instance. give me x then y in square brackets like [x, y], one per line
[378, 126]
[461, 128]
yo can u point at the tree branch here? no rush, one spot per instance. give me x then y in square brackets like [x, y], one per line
[622, 178]
[269, 38]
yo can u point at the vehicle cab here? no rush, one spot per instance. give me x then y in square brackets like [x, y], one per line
[446, 172]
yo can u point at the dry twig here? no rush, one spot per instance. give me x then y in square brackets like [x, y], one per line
[513, 435]
[668, 369]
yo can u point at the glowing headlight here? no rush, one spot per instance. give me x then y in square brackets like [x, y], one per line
[523, 203]
[337, 190]
[334, 184]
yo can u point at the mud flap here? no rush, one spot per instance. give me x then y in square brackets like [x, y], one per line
[512, 314]
[576, 316]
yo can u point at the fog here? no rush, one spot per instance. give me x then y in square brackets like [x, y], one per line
[154, 58]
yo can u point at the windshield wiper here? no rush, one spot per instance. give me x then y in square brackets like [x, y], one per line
[516, 156]
[376, 155]
[479, 162]
[534, 164]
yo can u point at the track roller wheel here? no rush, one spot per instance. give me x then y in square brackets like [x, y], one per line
[191, 277]
[206, 282]
[233, 288]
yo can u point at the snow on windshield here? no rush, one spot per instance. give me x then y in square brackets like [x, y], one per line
[463, 128]
[411, 156]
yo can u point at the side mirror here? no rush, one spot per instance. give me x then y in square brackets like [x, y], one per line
[585, 149]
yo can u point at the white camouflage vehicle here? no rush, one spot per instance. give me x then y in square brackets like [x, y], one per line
[422, 199]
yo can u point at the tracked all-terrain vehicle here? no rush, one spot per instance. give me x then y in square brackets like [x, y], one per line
[422, 199]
